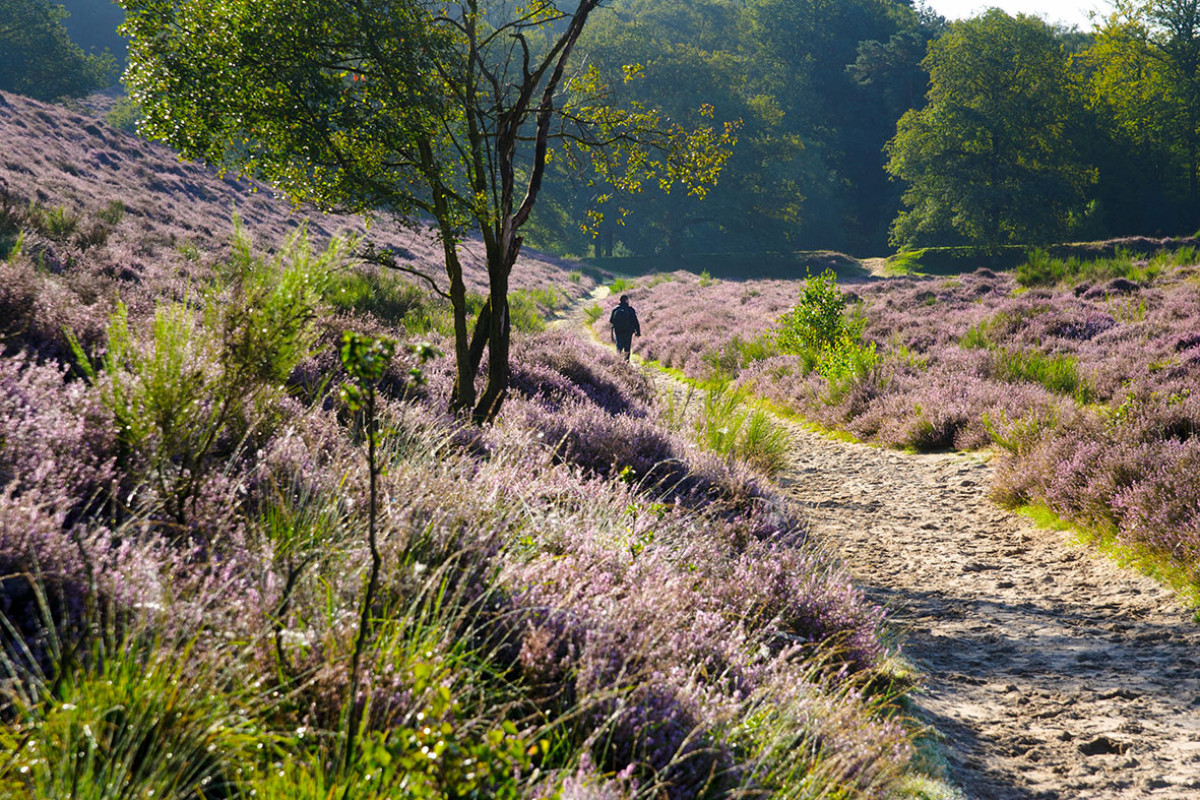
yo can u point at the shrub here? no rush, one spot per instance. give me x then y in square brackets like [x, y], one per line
[125, 115]
[196, 389]
[816, 322]
[58, 224]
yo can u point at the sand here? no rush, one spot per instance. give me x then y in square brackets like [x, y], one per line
[1050, 671]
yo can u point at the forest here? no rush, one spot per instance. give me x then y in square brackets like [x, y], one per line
[864, 126]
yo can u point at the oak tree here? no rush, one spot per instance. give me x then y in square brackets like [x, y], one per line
[988, 160]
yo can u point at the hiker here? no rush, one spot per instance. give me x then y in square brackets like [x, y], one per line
[624, 322]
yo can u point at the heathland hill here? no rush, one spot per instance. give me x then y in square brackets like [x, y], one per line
[210, 584]
[73, 164]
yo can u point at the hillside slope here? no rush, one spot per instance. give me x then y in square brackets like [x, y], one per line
[174, 211]
[216, 561]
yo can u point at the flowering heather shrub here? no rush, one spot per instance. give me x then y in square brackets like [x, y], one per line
[54, 439]
[965, 361]
[606, 586]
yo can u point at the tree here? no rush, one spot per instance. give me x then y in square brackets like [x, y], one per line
[423, 109]
[1146, 77]
[989, 160]
[1137, 141]
[38, 58]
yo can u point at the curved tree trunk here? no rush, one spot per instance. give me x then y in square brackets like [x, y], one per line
[499, 335]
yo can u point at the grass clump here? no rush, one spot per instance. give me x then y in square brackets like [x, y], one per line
[144, 718]
[1057, 373]
[386, 297]
[725, 424]
[1042, 269]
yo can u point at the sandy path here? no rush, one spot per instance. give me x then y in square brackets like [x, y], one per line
[1051, 672]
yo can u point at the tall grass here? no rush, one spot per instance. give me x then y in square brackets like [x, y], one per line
[724, 423]
[136, 716]
[1041, 269]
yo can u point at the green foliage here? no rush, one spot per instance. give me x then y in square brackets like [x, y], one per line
[365, 358]
[797, 177]
[1021, 435]
[38, 58]
[112, 213]
[124, 115]
[737, 353]
[827, 339]
[524, 314]
[620, 285]
[593, 313]
[1057, 373]
[147, 720]
[198, 386]
[58, 223]
[990, 159]
[816, 322]
[1143, 88]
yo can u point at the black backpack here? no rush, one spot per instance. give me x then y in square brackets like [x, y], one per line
[623, 319]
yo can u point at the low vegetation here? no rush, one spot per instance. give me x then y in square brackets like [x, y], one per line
[246, 552]
[1081, 372]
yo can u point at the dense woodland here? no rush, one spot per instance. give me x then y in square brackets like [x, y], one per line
[865, 125]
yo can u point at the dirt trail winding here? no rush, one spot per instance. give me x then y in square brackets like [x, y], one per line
[1050, 671]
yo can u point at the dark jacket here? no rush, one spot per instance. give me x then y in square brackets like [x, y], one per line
[624, 320]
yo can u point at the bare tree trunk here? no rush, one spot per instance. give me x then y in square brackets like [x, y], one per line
[463, 396]
[499, 336]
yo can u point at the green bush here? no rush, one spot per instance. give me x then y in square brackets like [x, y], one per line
[124, 115]
[819, 330]
[58, 223]
[200, 385]
[816, 322]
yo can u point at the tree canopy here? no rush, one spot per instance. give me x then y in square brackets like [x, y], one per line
[38, 57]
[990, 159]
[440, 113]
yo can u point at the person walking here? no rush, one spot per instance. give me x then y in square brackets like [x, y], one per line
[624, 322]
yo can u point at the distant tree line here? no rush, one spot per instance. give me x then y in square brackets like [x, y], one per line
[40, 59]
[866, 125]
[871, 125]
